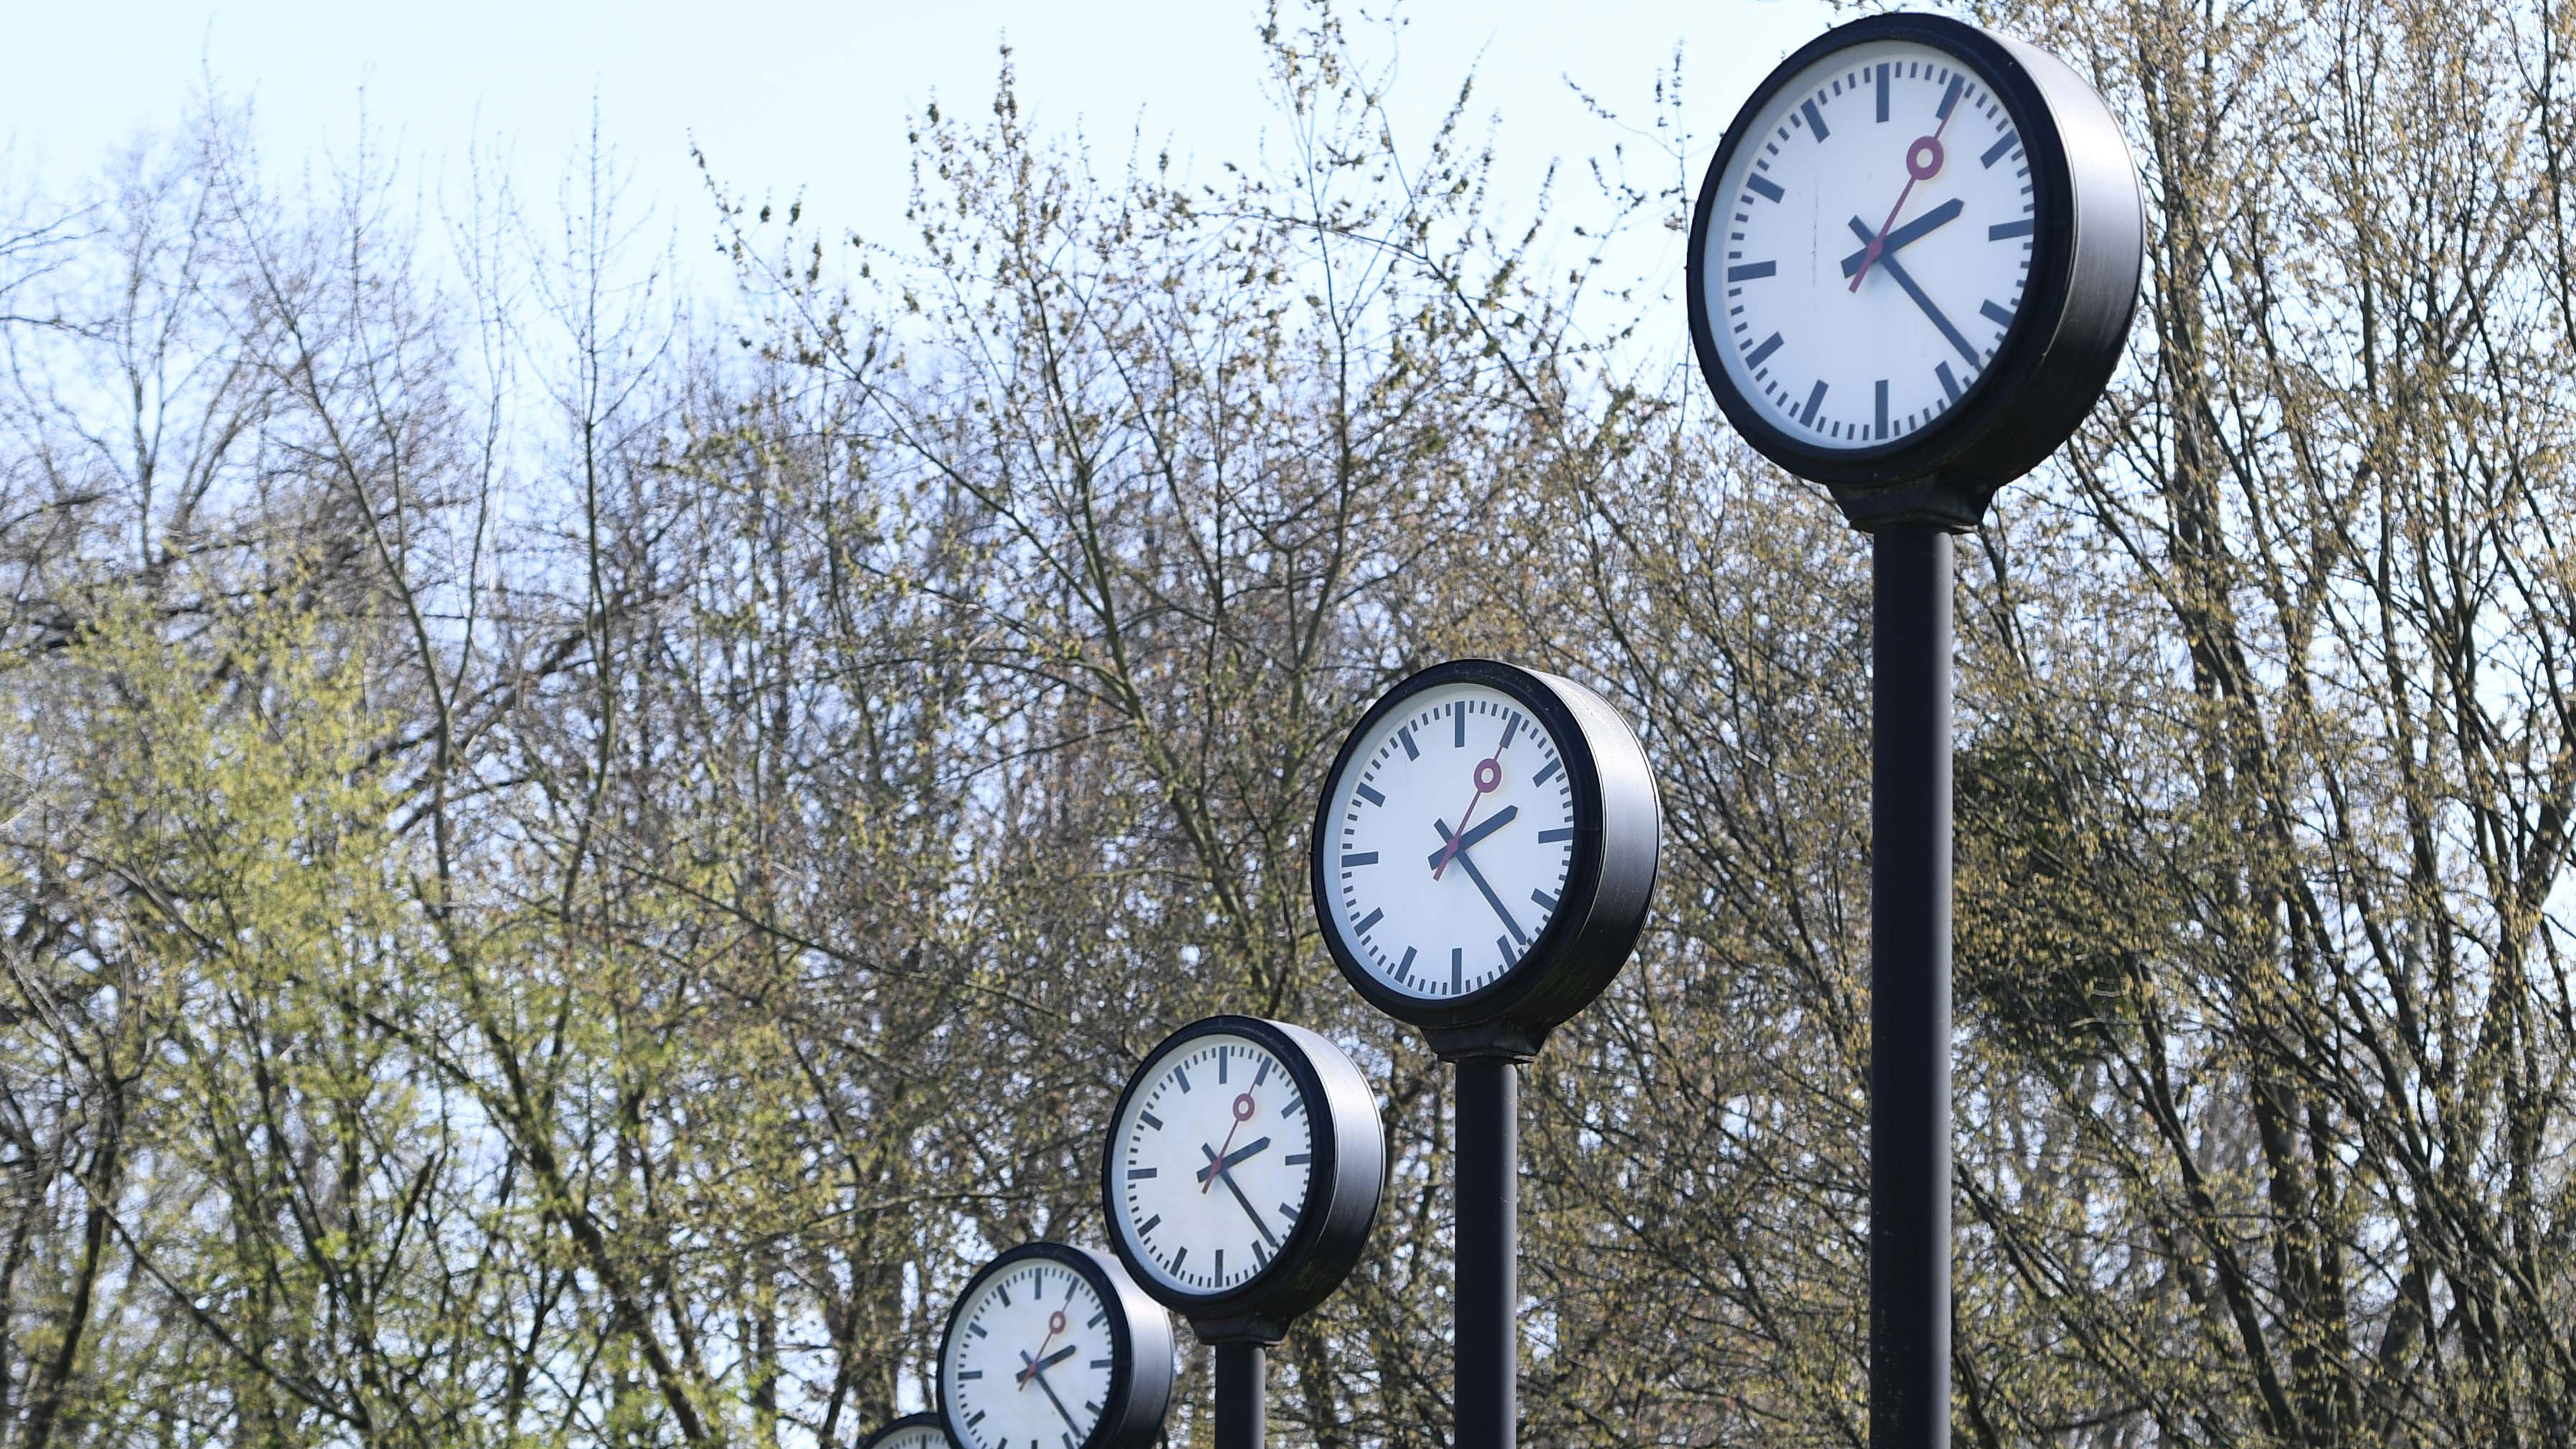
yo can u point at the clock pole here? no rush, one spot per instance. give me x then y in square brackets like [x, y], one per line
[1486, 1294]
[1909, 1011]
[1242, 1397]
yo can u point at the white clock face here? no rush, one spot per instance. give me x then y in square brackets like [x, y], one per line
[1029, 1363]
[920, 1436]
[1869, 246]
[1211, 1161]
[1451, 833]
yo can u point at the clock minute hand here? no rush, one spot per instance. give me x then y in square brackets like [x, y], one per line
[1897, 270]
[1038, 1372]
[1491, 899]
[1908, 234]
[1467, 842]
[1219, 1168]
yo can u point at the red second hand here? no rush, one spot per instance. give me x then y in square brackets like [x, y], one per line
[1930, 168]
[1242, 1114]
[1489, 776]
[1055, 1325]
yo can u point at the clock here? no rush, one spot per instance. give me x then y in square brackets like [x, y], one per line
[1054, 1347]
[1242, 1174]
[1484, 853]
[912, 1431]
[1913, 264]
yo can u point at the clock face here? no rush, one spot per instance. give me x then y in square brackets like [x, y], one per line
[1869, 245]
[1210, 1163]
[1448, 834]
[1031, 1355]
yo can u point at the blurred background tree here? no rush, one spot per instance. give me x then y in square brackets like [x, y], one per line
[590, 851]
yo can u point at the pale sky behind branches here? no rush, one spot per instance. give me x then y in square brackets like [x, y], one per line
[805, 97]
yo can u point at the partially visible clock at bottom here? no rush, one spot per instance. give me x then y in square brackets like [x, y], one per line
[1055, 1347]
[912, 1431]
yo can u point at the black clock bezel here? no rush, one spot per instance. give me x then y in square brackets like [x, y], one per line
[1343, 1186]
[886, 1431]
[2087, 251]
[1608, 881]
[1140, 1334]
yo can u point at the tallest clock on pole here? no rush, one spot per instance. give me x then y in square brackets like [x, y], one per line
[1912, 270]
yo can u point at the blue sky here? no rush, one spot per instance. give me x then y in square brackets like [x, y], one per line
[812, 96]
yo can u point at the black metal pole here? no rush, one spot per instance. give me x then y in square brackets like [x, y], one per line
[1909, 1012]
[1488, 1278]
[1242, 1403]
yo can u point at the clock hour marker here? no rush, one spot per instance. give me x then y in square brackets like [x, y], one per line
[1411, 750]
[1767, 189]
[1371, 919]
[1503, 947]
[974, 1418]
[1815, 400]
[1371, 796]
[1457, 969]
[970, 1373]
[1551, 837]
[1095, 1323]
[1147, 1227]
[2007, 230]
[1999, 150]
[1882, 92]
[1101, 1363]
[1182, 1076]
[1359, 857]
[2000, 316]
[1751, 271]
[1545, 901]
[1003, 1292]
[1950, 97]
[1815, 120]
[1222, 1052]
[1288, 1212]
[1458, 713]
[1263, 1073]
[1298, 1159]
[1882, 407]
[1404, 968]
[1139, 1174]
[1761, 354]
[1292, 1107]
[977, 1329]
[1220, 1262]
[1949, 384]
[1177, 1255]
[1150, 1120]
[1546, 773]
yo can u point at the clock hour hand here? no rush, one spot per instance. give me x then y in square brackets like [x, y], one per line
[1491, 899]
[1223, 1176]
[1467, 842]
[1037, 1371]
[1226, 1163]
[1906, 235]
[1894, 269]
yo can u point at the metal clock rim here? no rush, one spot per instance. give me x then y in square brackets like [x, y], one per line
[1281, 1289]
[1127, 1386]
[1958, 431]
[1528, 975]
[927, 1419]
